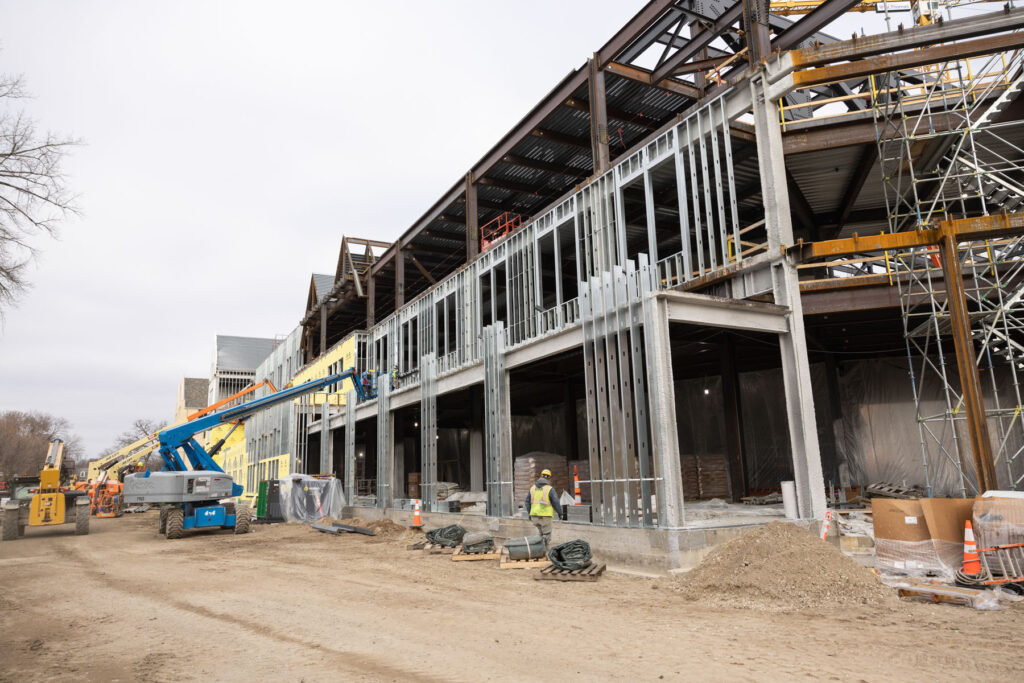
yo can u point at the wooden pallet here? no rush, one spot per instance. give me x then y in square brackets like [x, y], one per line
[460, 556]
[434, 549]
[553, 573]
[506, 563]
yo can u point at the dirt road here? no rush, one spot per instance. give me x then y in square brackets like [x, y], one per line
[287, 603]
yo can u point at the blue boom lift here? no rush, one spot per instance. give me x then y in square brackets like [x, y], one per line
[189, 494]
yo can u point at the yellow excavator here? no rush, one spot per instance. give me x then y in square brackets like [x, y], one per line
[47, 503]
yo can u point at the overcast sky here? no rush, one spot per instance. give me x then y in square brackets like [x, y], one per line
[227, 147]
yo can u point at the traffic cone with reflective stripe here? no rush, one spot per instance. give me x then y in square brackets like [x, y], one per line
[578, 500]
[972, 564]
[417, 523]
[826, 524]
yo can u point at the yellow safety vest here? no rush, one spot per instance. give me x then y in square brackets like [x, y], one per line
[539, 502]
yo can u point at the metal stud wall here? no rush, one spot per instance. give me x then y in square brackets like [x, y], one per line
[350, 448]
[611, 306]
[497, 432]
[385, 456]
[428, 432]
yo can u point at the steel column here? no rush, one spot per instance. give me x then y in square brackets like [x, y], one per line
[970, 383]
[598, 116]
[472, 219]
[325, 437]
[399, 277]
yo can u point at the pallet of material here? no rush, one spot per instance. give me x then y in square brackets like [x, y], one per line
[553, 573]
[506, 563]
[461, 556]
[435, 549]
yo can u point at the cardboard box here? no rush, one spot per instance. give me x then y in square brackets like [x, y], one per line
[414, 478]
[920, 536]
[998, 521]
[413, 490]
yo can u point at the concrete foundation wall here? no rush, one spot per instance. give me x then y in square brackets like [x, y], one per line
[656, 551]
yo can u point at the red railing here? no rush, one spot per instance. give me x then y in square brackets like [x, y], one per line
[499, 227]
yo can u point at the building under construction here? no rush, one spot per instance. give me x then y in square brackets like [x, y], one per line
[731, 249]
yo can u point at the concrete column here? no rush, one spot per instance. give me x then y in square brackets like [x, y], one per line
[664, 430]
[796, 374]
[598, 117]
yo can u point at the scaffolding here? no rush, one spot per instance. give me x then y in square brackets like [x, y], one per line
[946, 151]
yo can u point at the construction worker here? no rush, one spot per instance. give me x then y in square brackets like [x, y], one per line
[543, 504]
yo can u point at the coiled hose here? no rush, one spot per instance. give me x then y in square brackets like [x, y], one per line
[571, 556]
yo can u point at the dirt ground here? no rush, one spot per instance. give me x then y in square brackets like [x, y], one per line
[287, 603]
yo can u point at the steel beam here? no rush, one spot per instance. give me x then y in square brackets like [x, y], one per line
[710, 311]
[540, 165]
[856, 184]
[371, 299]
[644, 76]
[908, 60]
[811, 23]
[697, 43]
[561, 138]
[423, 271]
[921, 36]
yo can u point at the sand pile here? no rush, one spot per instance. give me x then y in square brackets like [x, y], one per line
[383, 528]
[780, 566]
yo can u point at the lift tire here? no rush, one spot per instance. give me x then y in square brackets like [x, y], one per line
[242, 519]
[162, 528]
[9, 531]
[175, 524]
[81, 520]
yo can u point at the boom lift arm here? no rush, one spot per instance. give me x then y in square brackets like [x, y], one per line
[180, 439]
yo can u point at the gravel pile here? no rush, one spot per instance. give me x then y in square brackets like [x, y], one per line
[779, 566]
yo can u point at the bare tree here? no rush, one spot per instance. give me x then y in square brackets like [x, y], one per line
[25, 438]
[140, 428]
[33, 196]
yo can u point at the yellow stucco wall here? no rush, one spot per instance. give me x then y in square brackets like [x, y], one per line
[232, 456]
[345, 351]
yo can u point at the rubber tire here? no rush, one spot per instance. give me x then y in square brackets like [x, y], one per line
[175, 524]
[81, 520]
[162, 526]
[242, 519]
[10, 525]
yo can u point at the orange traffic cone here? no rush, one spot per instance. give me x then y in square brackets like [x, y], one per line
[578, 500]
[417, 523]
[826, 524]
[972, 565]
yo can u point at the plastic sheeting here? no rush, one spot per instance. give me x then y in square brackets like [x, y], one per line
[307, 499]
[867, 427]
[878, 437]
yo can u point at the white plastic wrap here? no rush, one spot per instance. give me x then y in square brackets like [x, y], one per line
[933, 557]
[307, 499]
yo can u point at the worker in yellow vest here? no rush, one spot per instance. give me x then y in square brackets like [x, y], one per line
[543, 504]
